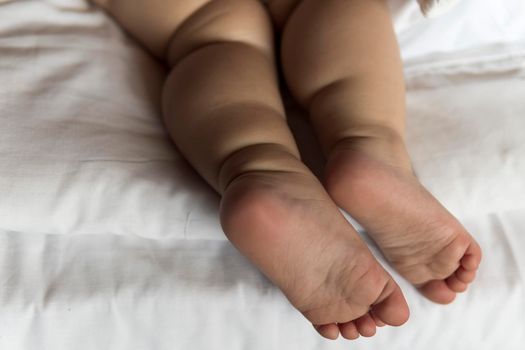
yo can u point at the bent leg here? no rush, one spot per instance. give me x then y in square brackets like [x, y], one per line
[342, 63]
[223, 110]
[221, 99]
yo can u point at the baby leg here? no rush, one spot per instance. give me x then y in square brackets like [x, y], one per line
[341, 62]
[223, 109]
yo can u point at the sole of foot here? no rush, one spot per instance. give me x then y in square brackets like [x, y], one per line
[289, 227]
[421, 239]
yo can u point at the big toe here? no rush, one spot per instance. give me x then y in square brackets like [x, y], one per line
[392, 309]
[329, 331]
[472, 257]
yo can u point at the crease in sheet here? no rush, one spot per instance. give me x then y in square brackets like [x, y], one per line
[499, 228]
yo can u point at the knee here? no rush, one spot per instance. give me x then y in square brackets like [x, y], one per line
[242, 21]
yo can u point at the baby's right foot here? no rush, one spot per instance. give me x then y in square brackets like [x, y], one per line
[371, 178]
[289, 227]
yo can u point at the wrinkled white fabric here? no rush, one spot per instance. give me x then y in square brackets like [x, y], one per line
[108, 239]
[84, 150]
[81, 292]
[471, 30]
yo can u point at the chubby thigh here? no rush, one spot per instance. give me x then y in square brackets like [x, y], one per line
[222, 93]
[156, 23]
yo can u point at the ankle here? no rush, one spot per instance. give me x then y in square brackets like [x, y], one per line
[381, 143]
[258, 158]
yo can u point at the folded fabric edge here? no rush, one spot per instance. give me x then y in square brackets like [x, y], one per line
[484, 59]
[434, 8]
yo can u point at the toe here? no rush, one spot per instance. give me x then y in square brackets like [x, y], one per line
[377, 320]
[465, 276]
[438, 291]
[392, 310]
[330, 331]
[455, 284]
[366, 325]
[349, 330]
[472, 257]
[444, 291]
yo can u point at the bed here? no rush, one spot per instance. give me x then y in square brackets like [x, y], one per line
[109, 240]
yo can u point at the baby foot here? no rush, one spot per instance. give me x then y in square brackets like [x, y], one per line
[290, 228]
[373, 182]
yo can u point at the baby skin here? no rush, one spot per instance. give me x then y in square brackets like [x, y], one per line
[223, 109]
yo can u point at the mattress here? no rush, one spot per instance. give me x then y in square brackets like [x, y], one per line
[110, 240]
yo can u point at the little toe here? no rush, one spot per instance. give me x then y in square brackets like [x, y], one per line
[438, 291]
[329, 331]
[366, 325]
[465, 276]
[349, 330]
[455, 284]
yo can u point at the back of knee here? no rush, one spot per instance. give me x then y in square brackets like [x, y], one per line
[241, 21]
[281, 10]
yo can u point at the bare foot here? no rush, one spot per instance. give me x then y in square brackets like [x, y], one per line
[372, 180]
[289, 227]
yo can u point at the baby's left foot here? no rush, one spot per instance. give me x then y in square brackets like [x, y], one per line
[371, 179]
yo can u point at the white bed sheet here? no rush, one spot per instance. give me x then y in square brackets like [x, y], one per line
[86, 292]
[109, 240]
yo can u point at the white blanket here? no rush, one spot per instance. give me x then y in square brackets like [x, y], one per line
[108, 239]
